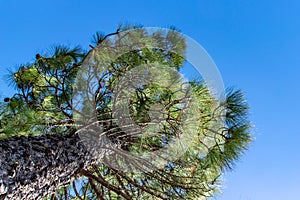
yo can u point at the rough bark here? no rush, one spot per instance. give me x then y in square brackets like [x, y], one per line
[32, 167]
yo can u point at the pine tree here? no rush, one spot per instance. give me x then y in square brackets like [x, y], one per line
[93, 124]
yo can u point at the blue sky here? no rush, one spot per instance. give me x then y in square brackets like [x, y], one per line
[255, 44]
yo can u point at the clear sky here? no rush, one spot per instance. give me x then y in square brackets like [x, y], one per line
[255, 44]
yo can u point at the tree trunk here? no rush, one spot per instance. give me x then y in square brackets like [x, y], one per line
[35, 166]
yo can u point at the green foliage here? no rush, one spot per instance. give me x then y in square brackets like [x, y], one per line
[44, 89]
[43, 105]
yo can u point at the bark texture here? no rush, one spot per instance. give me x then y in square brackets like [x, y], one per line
[32, 167]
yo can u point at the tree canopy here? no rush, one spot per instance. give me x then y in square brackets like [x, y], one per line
[123, 119]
